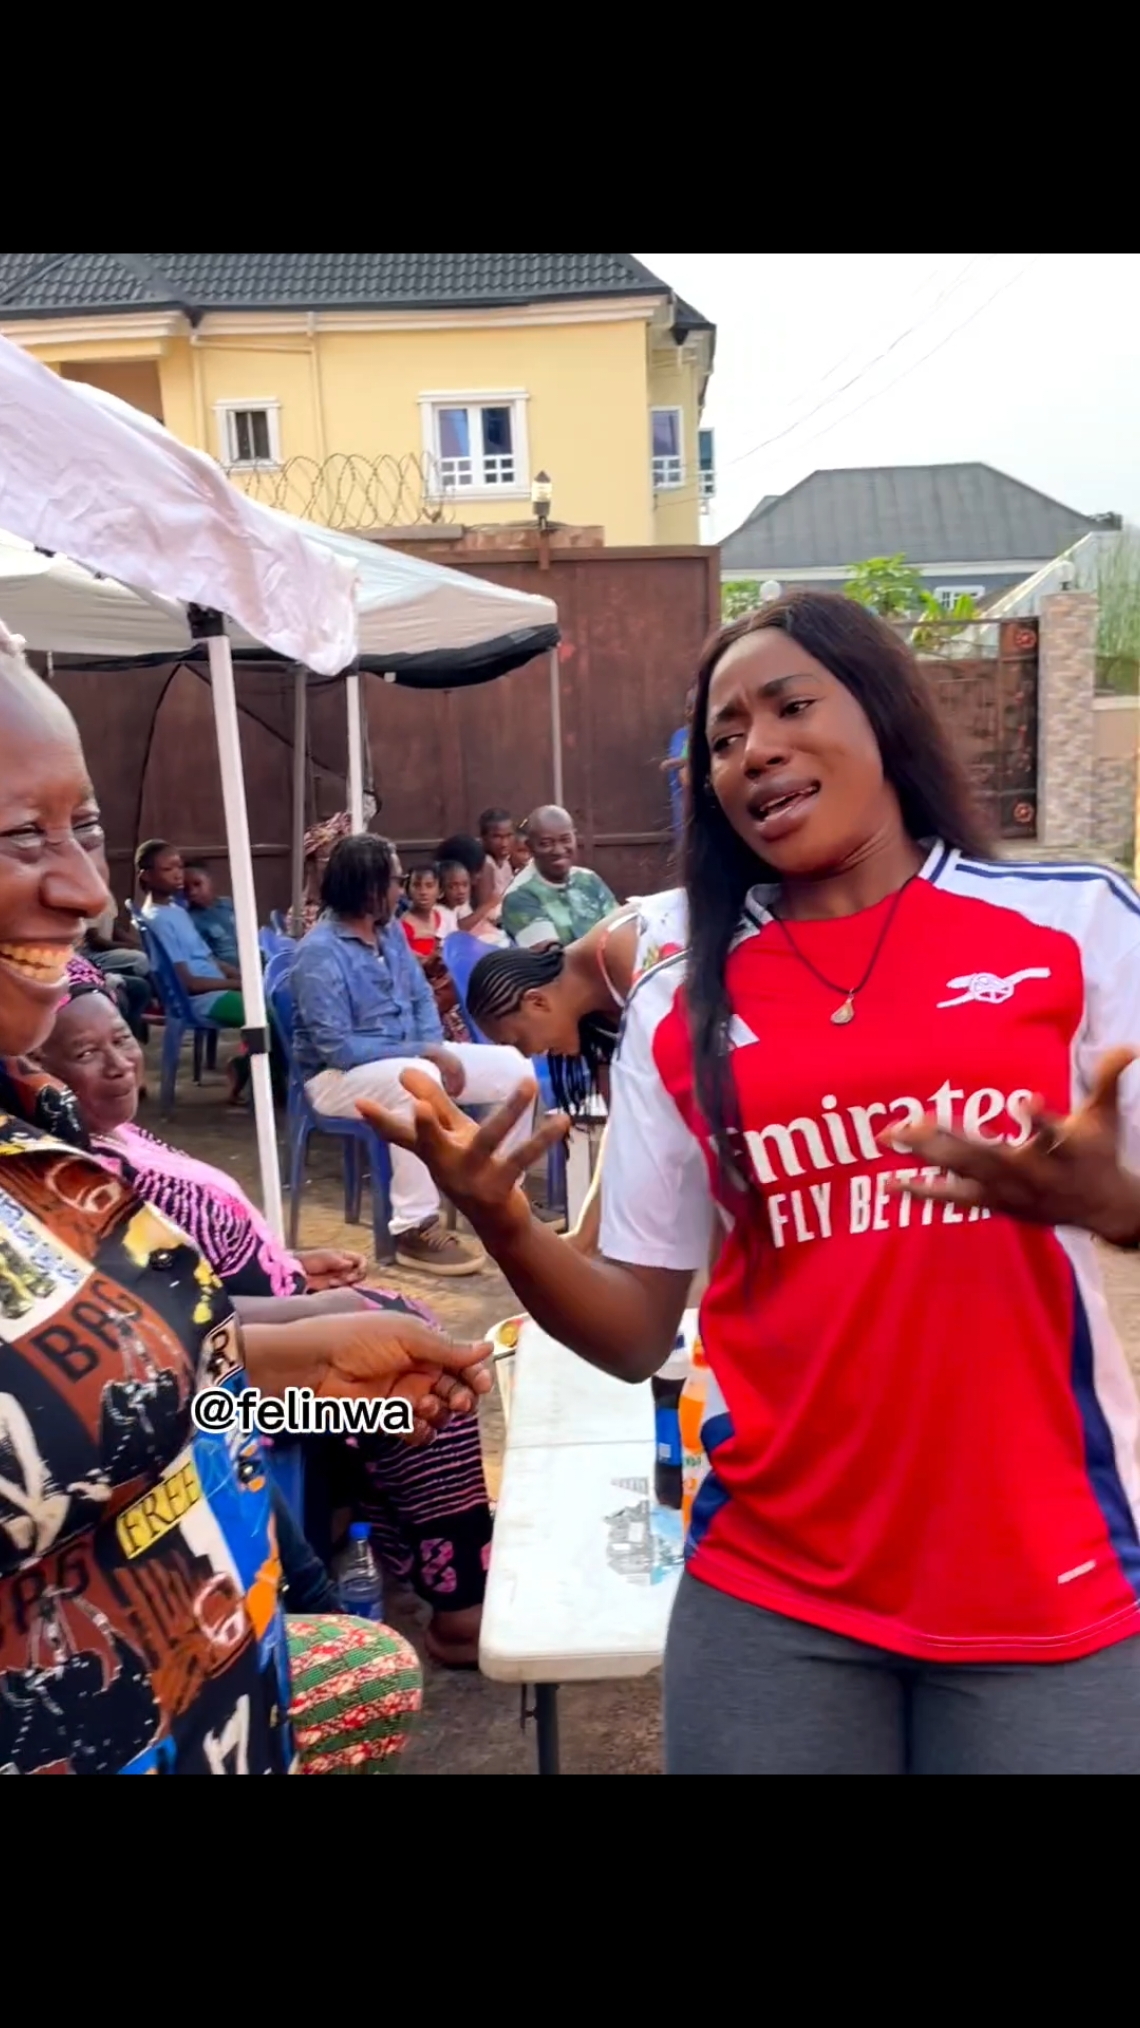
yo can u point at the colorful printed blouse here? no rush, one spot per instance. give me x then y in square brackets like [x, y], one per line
[210, 1208]
[214, 1212]
[140, 1629]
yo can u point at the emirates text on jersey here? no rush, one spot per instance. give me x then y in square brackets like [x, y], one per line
[299, 1412]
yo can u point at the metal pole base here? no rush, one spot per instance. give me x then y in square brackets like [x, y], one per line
[545, 1714]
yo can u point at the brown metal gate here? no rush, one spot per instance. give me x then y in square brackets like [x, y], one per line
[632, 622]
[985, 678]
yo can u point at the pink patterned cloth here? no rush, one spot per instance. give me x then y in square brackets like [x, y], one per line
[81, 972]
[212, 1210]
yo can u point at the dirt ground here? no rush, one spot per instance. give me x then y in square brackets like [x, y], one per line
[469, 1725]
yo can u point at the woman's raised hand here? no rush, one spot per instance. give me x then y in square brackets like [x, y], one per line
[1068, 1173]
[465, 1160]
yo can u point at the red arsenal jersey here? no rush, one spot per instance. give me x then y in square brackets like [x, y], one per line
[922, 1431]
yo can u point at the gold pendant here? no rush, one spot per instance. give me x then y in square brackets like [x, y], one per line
[844, 1014]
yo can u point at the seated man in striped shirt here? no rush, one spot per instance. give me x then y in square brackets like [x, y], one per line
[554, 901]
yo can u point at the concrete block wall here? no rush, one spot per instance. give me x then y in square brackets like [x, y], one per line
[1066, 771]
[1117, 734]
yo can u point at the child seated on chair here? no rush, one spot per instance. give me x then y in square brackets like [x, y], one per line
[426, 924]
[212, 986]
[211, 914]
[476, 919]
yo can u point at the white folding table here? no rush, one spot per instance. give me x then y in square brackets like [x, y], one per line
[584, 1562]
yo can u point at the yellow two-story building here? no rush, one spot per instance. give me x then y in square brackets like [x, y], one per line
[373, 390]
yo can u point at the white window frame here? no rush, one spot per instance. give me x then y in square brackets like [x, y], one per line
[514, 398]
[225, 412]
[667, 473]
[947, 593]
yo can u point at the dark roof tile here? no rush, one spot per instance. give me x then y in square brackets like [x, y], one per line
[58, 284]
[931, 513]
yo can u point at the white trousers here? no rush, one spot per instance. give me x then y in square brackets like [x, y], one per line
[492, 1076]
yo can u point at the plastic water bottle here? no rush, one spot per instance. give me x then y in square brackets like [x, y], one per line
[690, 1415]
[361, 1587]
[667, 1385]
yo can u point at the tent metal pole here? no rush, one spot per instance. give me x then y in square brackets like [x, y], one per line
[300, 750]
[355, 751]
[211, 627]
[556, 727]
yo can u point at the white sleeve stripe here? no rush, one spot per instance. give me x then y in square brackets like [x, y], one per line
[654, 972]
[1040, 872]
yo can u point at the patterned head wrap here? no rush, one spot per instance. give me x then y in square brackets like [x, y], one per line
[322, 837]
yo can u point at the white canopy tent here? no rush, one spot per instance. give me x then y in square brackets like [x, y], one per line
[130, 545]
[89, 477]
[426, 625]
[418, 623]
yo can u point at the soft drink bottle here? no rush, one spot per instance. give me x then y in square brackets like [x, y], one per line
[667, 1385]
[690, 1415]
[360, 1585]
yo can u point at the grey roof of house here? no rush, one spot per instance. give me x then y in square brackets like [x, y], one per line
[931, 513]
[93, 284]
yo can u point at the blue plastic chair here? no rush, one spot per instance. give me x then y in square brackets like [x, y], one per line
[179, 1017]
[272, 942]
[461, 953]
[362, 1145]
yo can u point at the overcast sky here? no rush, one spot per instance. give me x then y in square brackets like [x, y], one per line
[1030, 362]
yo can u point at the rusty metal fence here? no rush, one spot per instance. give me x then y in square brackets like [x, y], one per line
[985, 677]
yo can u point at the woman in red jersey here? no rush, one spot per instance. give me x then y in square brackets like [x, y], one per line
[896, 1067]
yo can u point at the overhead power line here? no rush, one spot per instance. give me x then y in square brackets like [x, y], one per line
[914, 364]
[819, 381]
[827, 400]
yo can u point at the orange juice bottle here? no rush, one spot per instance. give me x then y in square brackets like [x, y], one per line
[691, 1414]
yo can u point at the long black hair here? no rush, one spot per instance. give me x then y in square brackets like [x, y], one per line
[357, 878]
[873, 662]
[496, 987]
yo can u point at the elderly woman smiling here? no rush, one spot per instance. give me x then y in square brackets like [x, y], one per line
[428, 1506]
[140, 1629]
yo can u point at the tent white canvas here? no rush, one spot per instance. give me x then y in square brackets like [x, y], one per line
[59, 606]
[425, 623]
[84, 475]
[418, 620]
[140, 527]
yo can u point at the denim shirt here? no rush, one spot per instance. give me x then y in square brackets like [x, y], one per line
[355, 1005]
[217, 926]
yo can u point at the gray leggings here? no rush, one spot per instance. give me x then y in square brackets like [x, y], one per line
[749, 1692]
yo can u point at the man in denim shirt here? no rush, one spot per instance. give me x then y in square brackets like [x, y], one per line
[364, 1013]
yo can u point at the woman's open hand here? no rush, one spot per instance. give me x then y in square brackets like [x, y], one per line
[466, 1161]
[372, 1355]
[1068, 1173]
